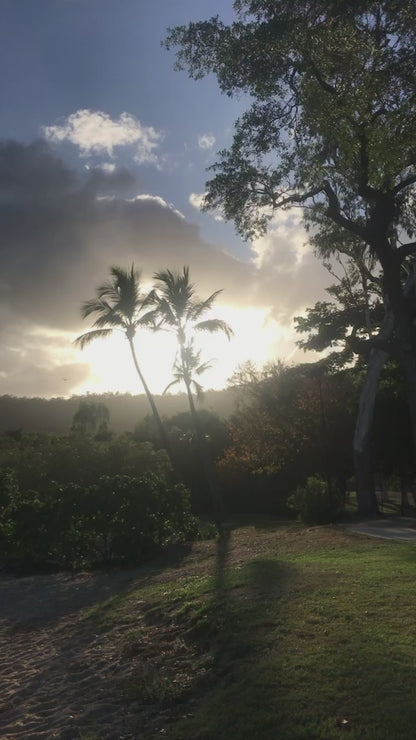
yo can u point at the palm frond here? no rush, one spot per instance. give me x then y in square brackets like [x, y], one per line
[176, 290]
[166, 312]
[94, 305]
[203, 367]
[85, 339]
[172, 383]
[198, 390]
[214, 325]
[112, 319]
[148, 320]
[198, 308]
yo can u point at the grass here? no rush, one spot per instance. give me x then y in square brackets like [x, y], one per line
[278, 633]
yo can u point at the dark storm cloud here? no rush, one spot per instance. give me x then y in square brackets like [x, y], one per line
[59, 234]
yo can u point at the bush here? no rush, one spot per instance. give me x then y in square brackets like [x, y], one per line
[313, 502]
[120, 519]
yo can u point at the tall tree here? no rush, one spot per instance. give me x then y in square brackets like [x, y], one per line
[180, 310]
[331, 130]
[120, 305]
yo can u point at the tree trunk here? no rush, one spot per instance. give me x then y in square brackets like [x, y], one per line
[206, 459]
[363, 464]
[409, 370]
[158, 420]
[366, 498]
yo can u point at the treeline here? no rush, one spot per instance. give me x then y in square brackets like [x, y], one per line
[55, 415]
[92, 496]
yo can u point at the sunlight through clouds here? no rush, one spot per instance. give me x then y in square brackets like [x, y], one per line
[257, 336]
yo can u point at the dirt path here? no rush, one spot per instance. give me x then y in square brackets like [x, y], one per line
[59, 672]
[56, 673]
[396, 528]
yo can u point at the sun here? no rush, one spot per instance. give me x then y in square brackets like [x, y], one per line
[257, 337]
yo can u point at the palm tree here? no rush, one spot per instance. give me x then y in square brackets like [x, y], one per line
[179, 309]
[120, 305]
[186, 367]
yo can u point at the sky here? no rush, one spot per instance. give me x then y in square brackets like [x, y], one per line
[104, 150]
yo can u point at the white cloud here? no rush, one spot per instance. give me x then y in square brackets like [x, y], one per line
[157, 200]
[107, 167]
[206, 141]
[196, 200]
[283, 246]
[96, 132]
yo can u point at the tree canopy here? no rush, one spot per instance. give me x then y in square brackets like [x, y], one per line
[330, 128]
[332, 124]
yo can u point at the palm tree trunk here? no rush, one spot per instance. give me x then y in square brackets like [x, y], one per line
[158, 420]
[204, 452]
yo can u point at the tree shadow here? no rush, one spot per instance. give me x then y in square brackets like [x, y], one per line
[45, 599]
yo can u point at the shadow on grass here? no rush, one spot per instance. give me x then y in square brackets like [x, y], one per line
[244, 608]
[48, 598]
[295, 657]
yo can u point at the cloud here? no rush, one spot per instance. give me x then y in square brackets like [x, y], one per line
[95, 132]
[104, 166]
[60, 233]
[197, 201]
[285, 264]
[206, 141]
[157, 200]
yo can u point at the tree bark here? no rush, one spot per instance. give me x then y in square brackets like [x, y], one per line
[206, 459]
[397, 319]
[363, 463]
[158, 420]
[409, 370]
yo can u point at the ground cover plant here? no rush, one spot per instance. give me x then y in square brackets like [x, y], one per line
[278, 631]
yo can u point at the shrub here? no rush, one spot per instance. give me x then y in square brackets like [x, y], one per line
[313, 502]
[119, 519]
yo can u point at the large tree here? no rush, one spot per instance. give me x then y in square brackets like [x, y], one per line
[331, 129]
[121, 305]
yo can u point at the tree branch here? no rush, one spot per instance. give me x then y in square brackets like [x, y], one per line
[334, 212]
[297, 197]
[406, 250]
[410, 180]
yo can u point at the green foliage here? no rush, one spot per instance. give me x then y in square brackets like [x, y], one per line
[292, 422]
[71, 501]
[119, 519]
[314, 503]
[332, 87]
[91, 418]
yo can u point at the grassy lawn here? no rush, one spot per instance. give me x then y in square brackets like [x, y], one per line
[278, 632]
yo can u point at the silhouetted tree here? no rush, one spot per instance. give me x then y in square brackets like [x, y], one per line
[331, 129]
[120, 305]
[181, 310]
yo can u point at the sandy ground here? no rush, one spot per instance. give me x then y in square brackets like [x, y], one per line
[55, 673]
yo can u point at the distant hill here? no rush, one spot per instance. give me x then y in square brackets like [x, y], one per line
[55, 415]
